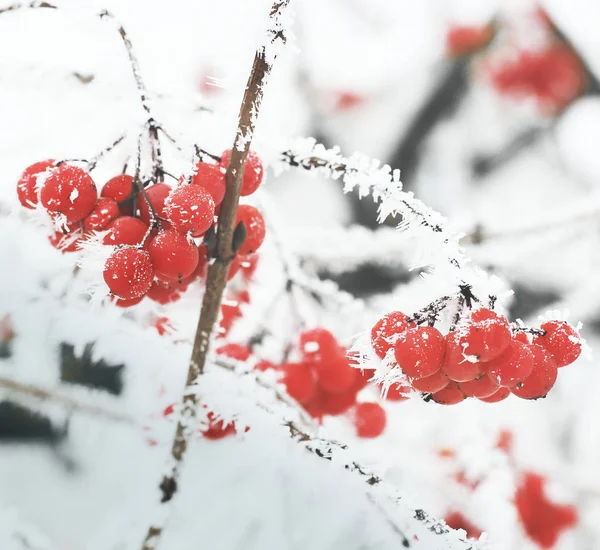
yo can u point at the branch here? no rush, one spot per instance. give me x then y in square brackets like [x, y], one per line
[218, 270]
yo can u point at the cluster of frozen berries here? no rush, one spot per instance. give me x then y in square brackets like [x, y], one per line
[151, 229]
[482, 358]
[324, 381]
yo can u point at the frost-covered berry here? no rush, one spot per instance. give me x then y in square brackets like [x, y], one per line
[105, 211]
[512, 366]
[125, 230]
[542, 377]
[483, 386]
[255, 228]
[458, 365]
[67, 242]
[500, 395]
[486, 335]
[397, 392]
[561, 340]
[212, 178]
[217, 429]
[118, 188]
[431, 384]
[299, 381]
[450, 395]
[386, 330]
[163, 293]
[253, 171]
[173, 256]
[157, 195]
[128, 272]
[68, 192]
[190, 208]
[369, 420]
[419, 351]
[119, 302]
[27, 191]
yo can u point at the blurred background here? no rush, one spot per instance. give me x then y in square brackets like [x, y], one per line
[491, 110]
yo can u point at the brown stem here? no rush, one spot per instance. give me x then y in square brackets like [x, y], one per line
[218, 270]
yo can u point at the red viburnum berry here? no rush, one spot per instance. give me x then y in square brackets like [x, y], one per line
[431, 384]
[217, 429]
[212, 178]
[68, 242]
[230, 313]
[173, 256]
[458, 365]
[542, 377]
[386, 330]
[105, 211]
[335, 404]
[157, 195]
[500, 395]
[450, 395]
[255, 228]
[119, 302]
[27, 190]
[163, 293]
[125, 230]
[190, 208]
[317, 343]
[464, 40]
[128, 272]
[361, 376]
[248, 266]
[486, 335]
[456, 520]
[512, 366]
[264, 365]
[235, 351]
[234, 267]
[334, 373]
[522, 337]
[69, 192]
[419, 351]
[253, 171]
[483, 386]
[397, 392]
[299, 381]
[369, 419]
[561, 340]
[118, 188]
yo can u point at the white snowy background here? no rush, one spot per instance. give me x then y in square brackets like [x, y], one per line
[96, 489]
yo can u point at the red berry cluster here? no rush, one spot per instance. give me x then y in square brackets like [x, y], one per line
[323, 380]
[483, 358]
[152, 228]
[465, 40]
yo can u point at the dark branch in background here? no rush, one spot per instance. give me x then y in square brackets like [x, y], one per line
[218, 270]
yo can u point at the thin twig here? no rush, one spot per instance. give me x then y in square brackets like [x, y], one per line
[218, 270]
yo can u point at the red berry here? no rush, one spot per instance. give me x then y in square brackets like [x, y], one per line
[522, 337]
[173, 256]
[27, 185]
[190, 208]
[450, 395]
[483, 386]
[456, 520]
[255, 228]
[234, 267]
[248, 266]
[512, 366]
[335, 404]
[125, 230]
[230, 312]
[420, 351]
[128, 272]
[163, 293]
[70, 192]
[235, 351]
[253, 171]
[119, 302]
[299, 381]
[431, 384]
[500, 395]
[369, 419]
[361, 377]
[487, 334]
[67, 242]
[212, 178]
[318, 343]
[397, 392]
[105, 211]
[264, 365]
[217, 429]
[386, 330]
[458, 365]
[157, 195]
[463, 40]
[334, 373]
[118, 188]
[561, 340]
[541, 379]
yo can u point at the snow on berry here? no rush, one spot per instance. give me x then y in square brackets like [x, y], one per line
[105, 211]
[457, 364]
[419, 351]
[386, 330]
[255, 228]
[173, 256]
[163, 292]
[456, 520]
[27, 187]
[486, 334]
[210, 177]
[128, 272]
[68, 193]
[190, 208]
[253, 171]
[542, 377]
[561, 340]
